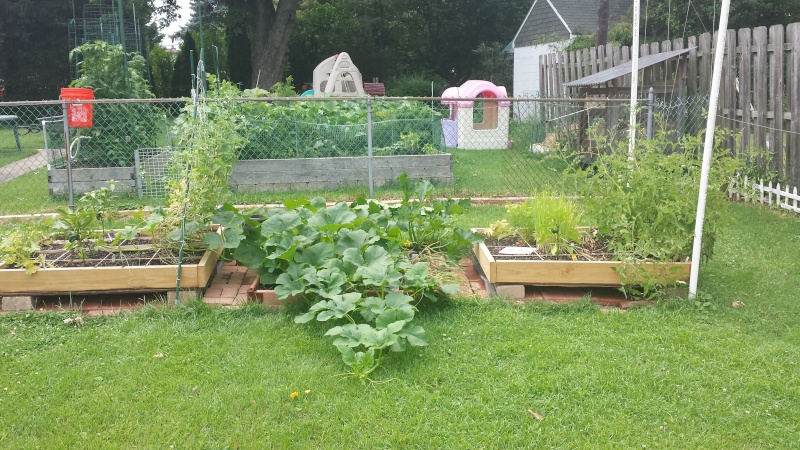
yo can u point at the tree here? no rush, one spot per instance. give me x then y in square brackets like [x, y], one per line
[102, 71]
[181, 75]
[239, 66]
[34, 47]
[493, 64]
[668, 21]
[269, 24]
[602, 23]
[162, 64]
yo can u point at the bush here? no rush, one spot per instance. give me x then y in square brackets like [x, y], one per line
[645, 202]
[416, 85]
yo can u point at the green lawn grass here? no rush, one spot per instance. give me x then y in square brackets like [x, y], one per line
[9, 155]
[29, 194]
[672, 376]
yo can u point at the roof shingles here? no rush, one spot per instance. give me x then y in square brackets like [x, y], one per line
[542, 23]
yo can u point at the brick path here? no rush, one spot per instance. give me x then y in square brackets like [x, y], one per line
[229, 286]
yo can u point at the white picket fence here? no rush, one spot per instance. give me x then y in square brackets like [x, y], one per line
[757, 192]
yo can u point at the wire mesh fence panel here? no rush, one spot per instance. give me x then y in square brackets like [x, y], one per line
[485, 147]
[154, 171]
[26, 131]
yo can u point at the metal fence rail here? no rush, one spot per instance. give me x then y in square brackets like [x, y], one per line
[489, 149]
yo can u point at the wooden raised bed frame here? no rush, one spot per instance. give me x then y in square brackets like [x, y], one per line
[87, 280]
[563, 273]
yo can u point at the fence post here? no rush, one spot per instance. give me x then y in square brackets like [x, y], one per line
[68, 158]
[369, 143]
[136, 171]
[650, 103]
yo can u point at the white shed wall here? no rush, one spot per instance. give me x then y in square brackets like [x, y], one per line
[526, 67]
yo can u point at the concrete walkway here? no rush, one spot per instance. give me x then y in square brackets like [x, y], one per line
[23, 166]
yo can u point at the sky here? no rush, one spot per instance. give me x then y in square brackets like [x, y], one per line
[185, 13]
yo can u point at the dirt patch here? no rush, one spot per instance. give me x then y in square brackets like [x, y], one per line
[589, 249]
[135, 252]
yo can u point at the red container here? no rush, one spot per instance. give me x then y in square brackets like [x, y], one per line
[79, 115]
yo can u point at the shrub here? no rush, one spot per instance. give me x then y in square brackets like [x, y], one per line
[416, 85]
[645, 202]
[550, 221]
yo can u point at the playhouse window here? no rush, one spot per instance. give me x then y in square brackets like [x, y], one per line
[484, 113]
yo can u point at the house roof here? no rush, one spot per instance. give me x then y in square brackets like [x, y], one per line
[625, 68]
[558, 20]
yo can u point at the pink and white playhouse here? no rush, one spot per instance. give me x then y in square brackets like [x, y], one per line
[476, 120]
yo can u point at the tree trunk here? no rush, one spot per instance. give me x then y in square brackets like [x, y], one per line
[602, 23]
[271, 28]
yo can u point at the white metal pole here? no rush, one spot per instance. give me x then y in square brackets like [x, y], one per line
[708, 148]
[634, 76]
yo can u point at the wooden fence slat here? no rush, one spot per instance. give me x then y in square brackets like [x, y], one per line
[573, 69]
[704, 86]
[759, 96]
[587, 62]
[656, 76]
[666, 67]
[680, 69]
[691, 67]
[745, 77]
[793, 94]
[776, 38]
[760, 93]
[601, 58]
[647, 76]
[626, 56]
[729, 89]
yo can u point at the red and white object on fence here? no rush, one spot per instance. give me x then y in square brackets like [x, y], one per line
[79, 115]
[758, 192]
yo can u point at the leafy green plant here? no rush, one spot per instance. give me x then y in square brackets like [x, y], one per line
[101, 201]
[117, 129]
[426, 225]
[416, 85]
[19, 243]
[645, 202]
[103, 69]
[355, 260]
[204, 162]
[549, 221]
[78, 226]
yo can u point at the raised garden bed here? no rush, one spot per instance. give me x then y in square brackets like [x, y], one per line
[540, 270]
[138, 267]
[90, 179]
[259, 175]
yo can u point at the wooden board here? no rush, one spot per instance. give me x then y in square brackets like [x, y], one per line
[562, 273]
[105, 279]
[330, 173]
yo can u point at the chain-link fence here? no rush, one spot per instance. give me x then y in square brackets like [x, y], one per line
[490, 148]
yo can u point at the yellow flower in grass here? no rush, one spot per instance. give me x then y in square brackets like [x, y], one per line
[294, 394]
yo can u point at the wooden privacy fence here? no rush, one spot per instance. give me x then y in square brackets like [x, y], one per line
[759, 97]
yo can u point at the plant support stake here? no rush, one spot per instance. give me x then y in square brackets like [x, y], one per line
[369, 144]
[69, 160]
[708, 148]
[634, 77]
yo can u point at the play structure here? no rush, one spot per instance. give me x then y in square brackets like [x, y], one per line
[476, 121]
[337, 76]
